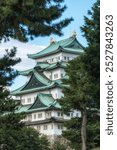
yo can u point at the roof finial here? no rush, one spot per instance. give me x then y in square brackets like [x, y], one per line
[51, 40]
[74, 34]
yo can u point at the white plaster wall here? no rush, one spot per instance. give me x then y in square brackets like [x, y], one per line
[36, 114]
[32, 96]
[70, 56]
[56, 93]
[50, 130]
[51, 73]
[26, 96]
[54, 58]
[49, 58]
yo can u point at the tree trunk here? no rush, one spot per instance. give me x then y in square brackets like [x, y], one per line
[83, 129]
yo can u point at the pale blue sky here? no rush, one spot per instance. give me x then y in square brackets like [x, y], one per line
[76, 9]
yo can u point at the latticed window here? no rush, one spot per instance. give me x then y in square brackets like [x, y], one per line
[55, 76]
[60, 126]
[40, 115]
[29, 100]
[48, 114]
[60, 114]
[71, 114]
[34, 116]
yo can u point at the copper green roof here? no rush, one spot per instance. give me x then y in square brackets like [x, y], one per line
[36, 82]
[69, 45]
[26, 72]
[41, 66]
[56, 65]
[42, 102]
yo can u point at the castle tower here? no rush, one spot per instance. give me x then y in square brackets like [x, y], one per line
[40, 95]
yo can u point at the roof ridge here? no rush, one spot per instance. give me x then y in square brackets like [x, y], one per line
[52, 48]
[25, 72]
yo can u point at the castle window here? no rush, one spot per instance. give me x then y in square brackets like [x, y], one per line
[45, 127]
[60, 114]
[29, 100]
[55, 76]
[40, 115]
[48, 114]
[65, 57]
[60, 126]
[72, 114]
[61, 75]
[34, 116]
[77, 114]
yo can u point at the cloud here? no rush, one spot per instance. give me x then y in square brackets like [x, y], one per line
[22, 50]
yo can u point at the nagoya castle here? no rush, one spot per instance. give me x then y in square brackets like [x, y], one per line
[41, 93]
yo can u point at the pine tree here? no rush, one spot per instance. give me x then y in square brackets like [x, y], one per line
[24, 19]
[83, 92]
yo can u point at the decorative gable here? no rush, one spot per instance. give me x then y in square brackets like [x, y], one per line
[33, 83]
[37, 104]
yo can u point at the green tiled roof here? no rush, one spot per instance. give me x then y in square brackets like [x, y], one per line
[38, 89]
[26, 72]
[23, 108]
[42, 102]
[37, 82]
[41, 66]
[56, 65]
[72, 45]
[33, 83]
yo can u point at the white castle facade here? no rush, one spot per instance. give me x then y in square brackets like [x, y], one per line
[41, 93]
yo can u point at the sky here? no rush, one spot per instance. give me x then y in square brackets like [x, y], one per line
[76, 9]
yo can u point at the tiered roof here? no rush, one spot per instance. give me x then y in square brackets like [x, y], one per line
[69, 45]
[44, 66]
[38, 82]
[42, 102]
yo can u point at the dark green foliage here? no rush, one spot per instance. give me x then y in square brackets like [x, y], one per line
[83, 92]
[7, 74]
[23, 138]
[73, 133]
[24, 19]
